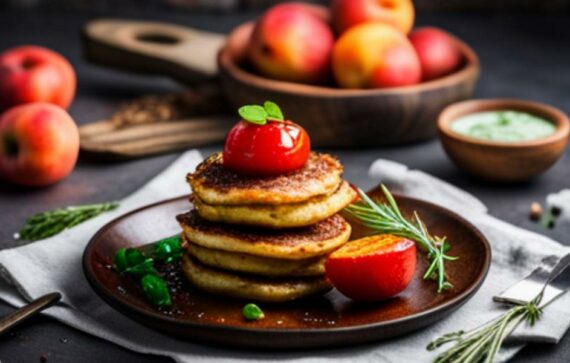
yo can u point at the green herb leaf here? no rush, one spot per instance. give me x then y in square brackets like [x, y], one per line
[273, 111]
[139, 262]
[50, 223]
[252, 312]
[259, 115]
[168, 249]
[254, 114]
[144, 268]
[155, 290]
[126, 258]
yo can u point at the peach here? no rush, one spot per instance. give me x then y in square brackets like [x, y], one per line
[437, 51]
[291, 42]
[348, 13]
[39, 144]
[35, 74]
[375, 55]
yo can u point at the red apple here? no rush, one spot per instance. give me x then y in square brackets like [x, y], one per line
[39, 144]
[291, 42]
[438, 52]
[348, 13]
[35, 74]
[375, 55]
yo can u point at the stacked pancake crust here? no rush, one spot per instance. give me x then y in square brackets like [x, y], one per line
[264, 238]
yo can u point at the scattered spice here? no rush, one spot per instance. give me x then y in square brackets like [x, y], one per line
[546, 218]
[548, 222]
[535, 211]
[200, 100]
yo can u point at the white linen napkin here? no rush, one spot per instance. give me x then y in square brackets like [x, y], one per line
[54, 264]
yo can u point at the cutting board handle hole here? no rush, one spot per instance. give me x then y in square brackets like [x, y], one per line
[158, 38]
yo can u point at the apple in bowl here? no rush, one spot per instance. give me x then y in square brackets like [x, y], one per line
[437, 51]
[39, 144]
[35, 74]
[292, 42]
[375, 55]
[348, 13]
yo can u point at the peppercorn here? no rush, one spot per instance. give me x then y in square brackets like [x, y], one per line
[535, 211]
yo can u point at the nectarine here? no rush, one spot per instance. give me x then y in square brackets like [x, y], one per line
[35, 74]
[39, 144]
[292, 43]
[375, 55]
[437, 51]
[348, 13]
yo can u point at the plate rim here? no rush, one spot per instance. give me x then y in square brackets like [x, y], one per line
[106, 294]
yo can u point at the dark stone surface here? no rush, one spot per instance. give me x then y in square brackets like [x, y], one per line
[522, 57]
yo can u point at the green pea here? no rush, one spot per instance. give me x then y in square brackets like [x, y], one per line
[155, 290]
[252, 312]
[127, 257]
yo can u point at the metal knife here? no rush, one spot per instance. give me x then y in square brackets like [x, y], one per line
[549, 278]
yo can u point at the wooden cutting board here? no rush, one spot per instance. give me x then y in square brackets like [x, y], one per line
[186, 54]
[106, 140]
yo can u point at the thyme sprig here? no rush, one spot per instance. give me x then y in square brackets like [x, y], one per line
[387, 218]
[50, 223]
[483, 343]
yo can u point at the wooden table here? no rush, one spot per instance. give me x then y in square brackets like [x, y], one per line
[522, 56]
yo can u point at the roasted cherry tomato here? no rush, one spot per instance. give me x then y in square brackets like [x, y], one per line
[278, 147]
[372, 268]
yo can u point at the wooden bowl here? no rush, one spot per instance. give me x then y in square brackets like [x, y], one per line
[336, 117]
[503, 161]
[333, 116]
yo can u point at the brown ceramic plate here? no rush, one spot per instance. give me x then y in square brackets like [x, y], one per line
[325, 321]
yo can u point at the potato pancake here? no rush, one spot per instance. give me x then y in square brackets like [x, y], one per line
[263, 266]
[216, 185]
[278, 216]
[252, 288]
[293, 244]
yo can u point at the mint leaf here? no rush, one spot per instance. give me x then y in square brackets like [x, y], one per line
[254, 114]
[273, 110]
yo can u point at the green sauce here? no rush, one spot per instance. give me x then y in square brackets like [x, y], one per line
[504, 126]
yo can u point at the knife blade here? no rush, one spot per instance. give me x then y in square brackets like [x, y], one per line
[552, 277]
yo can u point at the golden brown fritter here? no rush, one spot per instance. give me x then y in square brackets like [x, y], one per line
[292, 244]
[262, 266]
[252, 288]
[278, 216]
[216, 185]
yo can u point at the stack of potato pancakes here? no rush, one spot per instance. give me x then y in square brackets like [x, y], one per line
[264, 238]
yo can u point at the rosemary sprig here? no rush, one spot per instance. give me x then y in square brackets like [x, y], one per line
[50, 223]
[483, 343]
[387, 218]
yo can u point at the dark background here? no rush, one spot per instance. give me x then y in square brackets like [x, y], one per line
[524, 51]
[531, 6]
